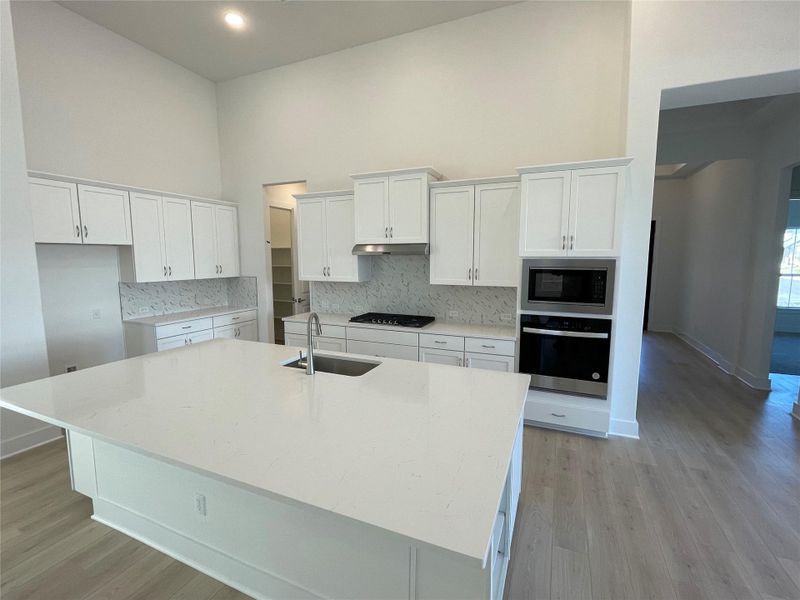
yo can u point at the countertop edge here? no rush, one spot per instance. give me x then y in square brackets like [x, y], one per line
[212, 312]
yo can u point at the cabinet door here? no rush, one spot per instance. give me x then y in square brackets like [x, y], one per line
[311, 244]
[54, 207]
[149, 258]
[487, 361]
[496, 227]
[204, 242]
[408, 208]
[333, 344]
[228, 331]
[200, 336]
[227, 230]
[382, 350]
[178, 238]
[371, 198]
[177, 341]
[544, 217]
[340, 236]
[595, 205]
[452, 218]
[248, 331]
[441, 357]
[105, 215]
[293, 339]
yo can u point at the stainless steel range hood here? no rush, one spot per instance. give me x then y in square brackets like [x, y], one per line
[401, 249]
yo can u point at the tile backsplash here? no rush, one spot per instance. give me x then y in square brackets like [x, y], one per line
[401, 284]
[161, 298]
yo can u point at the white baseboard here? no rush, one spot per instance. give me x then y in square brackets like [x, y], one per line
[742, 374]
[623, 428]
[28, 440]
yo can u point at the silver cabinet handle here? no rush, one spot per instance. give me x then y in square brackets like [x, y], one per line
[486, 346]
[476, 273]
[185, 341]
[235, 318]
[470, 274]
[170, 269]
[460, 361]
[439, 342]
[386, 232]
[563, 242]
[85, 231]
[559, 333]
[165, 271]
[77, 231]
[468, 362]
[329, 271]
[391, 231]
[186, 327]
[558, 415]
[572, 242]
[220, 269]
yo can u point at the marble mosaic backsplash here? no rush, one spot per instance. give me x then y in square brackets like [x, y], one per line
[161, 298]
[401, 284]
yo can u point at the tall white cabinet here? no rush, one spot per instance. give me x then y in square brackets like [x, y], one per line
[473, 228]
[215, 236]
[325, 234]
[572, 209]
[391, 207]
[162, 238]
[70, 213]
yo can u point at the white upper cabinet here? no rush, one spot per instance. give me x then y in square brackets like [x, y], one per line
[177, 214]
[573, 209]
[474, 233]
[392, 207]
[66, 213]
[54, 207]
[215, 236]
[105, 215]
[325, 234]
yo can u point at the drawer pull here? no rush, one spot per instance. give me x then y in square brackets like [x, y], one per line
[186, 327]
[235, 318]
[439, 342]
[486, 346]
[557, 415]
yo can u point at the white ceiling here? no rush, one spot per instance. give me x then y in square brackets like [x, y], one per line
[192, 33]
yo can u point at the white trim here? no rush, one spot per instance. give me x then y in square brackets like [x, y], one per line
[742, 374]
[584, 164]
[410, 171]
[126, 187]
[477, 181]
[623, 428]
[307, 195]
[29, 440]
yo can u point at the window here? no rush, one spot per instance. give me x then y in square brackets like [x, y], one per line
[789, 286]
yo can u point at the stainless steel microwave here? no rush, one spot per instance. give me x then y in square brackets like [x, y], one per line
[569, 285]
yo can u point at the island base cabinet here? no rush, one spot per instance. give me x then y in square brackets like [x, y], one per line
[267, 547]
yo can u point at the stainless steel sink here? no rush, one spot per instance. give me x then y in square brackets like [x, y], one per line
[334, 364]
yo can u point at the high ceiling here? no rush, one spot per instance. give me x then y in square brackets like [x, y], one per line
[192, 33]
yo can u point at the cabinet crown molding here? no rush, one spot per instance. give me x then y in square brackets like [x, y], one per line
[475, 181]
[584, 164]
[307, 195]
[410, 171]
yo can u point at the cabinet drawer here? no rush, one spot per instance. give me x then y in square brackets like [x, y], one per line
[331, 331]
[382, 350]
[489, 346]
[183, 327]
[567, 416]
[235, 318]
[403, 338]
[444, 342]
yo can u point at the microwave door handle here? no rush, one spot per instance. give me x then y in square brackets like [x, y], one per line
[558, 333]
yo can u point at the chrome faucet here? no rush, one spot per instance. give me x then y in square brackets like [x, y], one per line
[310, 357]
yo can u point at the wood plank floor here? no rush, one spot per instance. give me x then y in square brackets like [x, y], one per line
[705, 505]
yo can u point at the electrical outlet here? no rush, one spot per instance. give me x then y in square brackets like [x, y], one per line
[72, 368]
[323, 306]
[96, 313]
[200, 505]
[143, 310]
[335, 308]
[452, 314]
[507, 317]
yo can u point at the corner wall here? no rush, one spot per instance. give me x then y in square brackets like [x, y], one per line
[23, 351]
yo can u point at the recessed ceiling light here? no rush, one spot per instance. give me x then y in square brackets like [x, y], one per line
[234, 20]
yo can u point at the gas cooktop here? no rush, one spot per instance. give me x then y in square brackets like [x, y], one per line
[392, 319]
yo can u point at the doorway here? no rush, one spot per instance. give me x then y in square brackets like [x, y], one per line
[290, 296]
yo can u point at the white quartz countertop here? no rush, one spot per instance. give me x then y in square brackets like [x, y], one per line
[499, 332]
[415, 448]
[187, 315]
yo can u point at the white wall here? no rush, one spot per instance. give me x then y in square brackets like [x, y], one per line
[525, 84]
[76, 281]
[23, 352]
[99, 106]
[672, 45]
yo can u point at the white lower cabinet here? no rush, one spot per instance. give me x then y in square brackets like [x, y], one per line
[245, 331]
[184, 340]
[489, 361]
[382, 350]
[454, 358]
[320, 343]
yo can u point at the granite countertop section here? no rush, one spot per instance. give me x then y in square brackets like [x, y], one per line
[498, 332]
[187, 315]
[418, 449]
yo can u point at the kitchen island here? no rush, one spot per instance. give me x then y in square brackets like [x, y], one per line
[399, 483]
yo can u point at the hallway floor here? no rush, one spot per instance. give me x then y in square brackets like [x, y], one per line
[705, 505]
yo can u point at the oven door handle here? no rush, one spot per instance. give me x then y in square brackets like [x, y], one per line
[559, 333]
